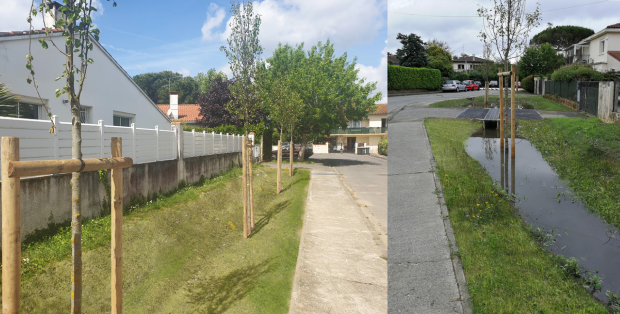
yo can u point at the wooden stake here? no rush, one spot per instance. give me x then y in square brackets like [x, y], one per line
[244, 184]
[291, 155]
[501, 110]
[45, 167]
[279, 183]
[11, 228]
[512, 111]
[486, 94]
[116, 219]
[251, 187]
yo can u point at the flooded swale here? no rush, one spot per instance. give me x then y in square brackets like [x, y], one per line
[562, 222]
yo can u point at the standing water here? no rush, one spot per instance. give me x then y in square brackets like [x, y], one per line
[544, 201]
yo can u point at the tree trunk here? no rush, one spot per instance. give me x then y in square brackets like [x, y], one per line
[267, 144]
[76, 208]
[302, 150]
[291, 154]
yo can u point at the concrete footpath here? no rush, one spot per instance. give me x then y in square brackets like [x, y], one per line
[341, 266]
[424, 275]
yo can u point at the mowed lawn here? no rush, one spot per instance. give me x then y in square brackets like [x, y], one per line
[182, 254]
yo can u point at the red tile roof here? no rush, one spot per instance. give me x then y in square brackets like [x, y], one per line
[381, 109]
[617, 25]
[614, 54]
[187, 112]
[21, 33]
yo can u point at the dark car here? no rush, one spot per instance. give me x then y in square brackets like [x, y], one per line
[286, 151]
[478, 83]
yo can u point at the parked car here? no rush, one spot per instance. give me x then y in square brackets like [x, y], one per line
[518, 84]
[456, 86]
[493, 84]
[472, 86]
[286, 151]
[478, 83]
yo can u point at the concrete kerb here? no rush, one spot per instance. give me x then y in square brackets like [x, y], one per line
[457, 265]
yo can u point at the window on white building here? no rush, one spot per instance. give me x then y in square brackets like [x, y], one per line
[602, 47]
[122, 121]
[461, 67]
[85, 114]
[20, 110]
[355, 124]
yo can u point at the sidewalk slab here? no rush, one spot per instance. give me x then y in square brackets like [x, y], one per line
[340, 268]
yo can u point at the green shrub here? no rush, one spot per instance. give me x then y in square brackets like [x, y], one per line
[400, 78]
[577, 71]
[461, 76]
[528, 84]
[383, 150]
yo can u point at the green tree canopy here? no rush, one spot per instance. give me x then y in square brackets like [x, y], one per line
[155, 85]
[205, 80]
[440, 59]
[561, 37]
[413, 53]
[539, 60]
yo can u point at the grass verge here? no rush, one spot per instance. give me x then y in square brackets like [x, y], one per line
[182, 254]
[527, 102]
[507, 270]
[586, 154]
[285, 161]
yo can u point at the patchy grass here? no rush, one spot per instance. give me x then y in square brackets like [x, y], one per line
[507, 270]
[181, 253]
[285, 161]
[526, 102]
[586, 154]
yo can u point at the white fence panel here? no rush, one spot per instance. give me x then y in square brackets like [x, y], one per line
[188, 140]
[167, 145]
[146, 145]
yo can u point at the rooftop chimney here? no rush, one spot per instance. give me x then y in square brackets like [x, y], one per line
[173, 112]
[53, 14]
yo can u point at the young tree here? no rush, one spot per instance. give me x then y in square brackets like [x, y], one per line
[243, 53]
[507, 26]
[561, 37]
[413, 53]
[488, 68]
[540, 60]
[441, 44]
[79, 33]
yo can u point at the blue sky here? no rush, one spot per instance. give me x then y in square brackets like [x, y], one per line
[185, 36]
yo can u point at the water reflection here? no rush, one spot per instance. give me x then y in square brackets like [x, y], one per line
[545, 202]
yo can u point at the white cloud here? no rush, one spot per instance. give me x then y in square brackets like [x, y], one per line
[215, 17]
[226, 69]
[185, 72]
[345, 22]
[13, 16]
[376, 74]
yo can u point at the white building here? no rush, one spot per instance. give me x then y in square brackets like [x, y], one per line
[109, 93]
[468, 63]
[601, 50]
[364, 133]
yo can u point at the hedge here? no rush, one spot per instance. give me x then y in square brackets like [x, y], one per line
[528, 84]
[400, 78]
[383, 146]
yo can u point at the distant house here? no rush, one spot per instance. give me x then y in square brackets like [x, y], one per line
[392, 59]
[188, 113]
[468, 63]
[601, 50]
[364, 133]
[109, 93]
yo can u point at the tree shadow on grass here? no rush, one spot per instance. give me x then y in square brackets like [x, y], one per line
[277, 208]
[218, 294]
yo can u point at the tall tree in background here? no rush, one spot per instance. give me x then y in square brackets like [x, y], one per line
[205, 79]
[488, 69]
[158, 84]
[441, 60]
[79, 33]
[413, 53]
[213, 103]
[561, 37]
[441, 44]
[540, 60]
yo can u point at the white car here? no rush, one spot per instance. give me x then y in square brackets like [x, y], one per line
[456, 86]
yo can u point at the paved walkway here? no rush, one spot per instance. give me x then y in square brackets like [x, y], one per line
[422, 276]
[341, 266]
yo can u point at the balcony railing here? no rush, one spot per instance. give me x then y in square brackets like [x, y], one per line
[578, 59]
[359, 131]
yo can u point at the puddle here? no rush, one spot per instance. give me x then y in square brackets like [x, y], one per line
[545, 202]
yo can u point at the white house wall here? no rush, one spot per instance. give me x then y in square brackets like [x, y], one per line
[375, 120]
[106, 90]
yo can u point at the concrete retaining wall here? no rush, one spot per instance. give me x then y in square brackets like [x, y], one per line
[47, 199]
